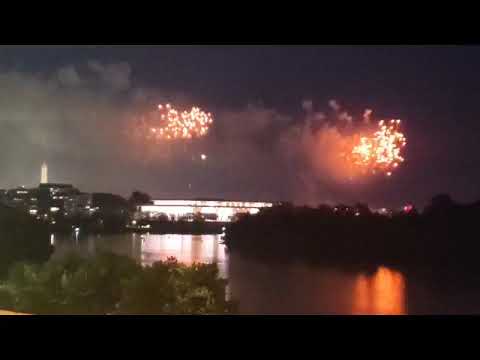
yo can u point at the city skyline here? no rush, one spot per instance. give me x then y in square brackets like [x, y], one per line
[73, 108]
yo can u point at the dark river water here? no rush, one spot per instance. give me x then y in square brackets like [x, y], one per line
[261, 288]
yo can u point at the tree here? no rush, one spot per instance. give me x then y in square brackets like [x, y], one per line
[362, 209]
[198, 217]
[22, 238]
[6, 298]
[325, 209]
[110, 284]
[439, 204]
[172, 288]
[138, 198]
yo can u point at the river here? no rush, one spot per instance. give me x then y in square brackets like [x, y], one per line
[261, 288]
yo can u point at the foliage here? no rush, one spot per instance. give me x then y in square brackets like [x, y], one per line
[198, 217]
[440, 237]
[172, 288]
[22, 239]
[138, 198]
[113, 284]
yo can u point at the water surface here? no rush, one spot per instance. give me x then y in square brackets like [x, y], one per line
[265, 288]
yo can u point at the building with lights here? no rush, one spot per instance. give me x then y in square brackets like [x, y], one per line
[209, 210]
[101, 204]
[52, 197]
[20, 197]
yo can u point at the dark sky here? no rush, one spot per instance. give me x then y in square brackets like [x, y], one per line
[435, 90]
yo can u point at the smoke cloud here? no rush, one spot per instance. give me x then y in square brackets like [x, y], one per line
[79, 120]
[63, 119]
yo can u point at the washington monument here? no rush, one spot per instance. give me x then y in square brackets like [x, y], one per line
[44, 174]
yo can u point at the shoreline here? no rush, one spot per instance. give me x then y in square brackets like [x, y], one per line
[152, 227]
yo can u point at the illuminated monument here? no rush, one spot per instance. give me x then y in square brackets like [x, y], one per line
[44, 174]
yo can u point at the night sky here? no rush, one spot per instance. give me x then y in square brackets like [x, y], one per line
[71, 105]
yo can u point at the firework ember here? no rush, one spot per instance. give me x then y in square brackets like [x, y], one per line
[168, 123]
[380, 151]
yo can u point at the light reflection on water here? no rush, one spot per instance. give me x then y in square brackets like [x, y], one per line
[303, 289]
[258, 288]
[382, 293]
[148, 248]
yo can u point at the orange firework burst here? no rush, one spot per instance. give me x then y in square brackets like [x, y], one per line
[380, 151]
[172, 124]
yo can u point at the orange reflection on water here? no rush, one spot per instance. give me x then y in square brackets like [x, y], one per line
[383, 293]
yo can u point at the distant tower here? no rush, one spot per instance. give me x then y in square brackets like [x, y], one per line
[44, 175]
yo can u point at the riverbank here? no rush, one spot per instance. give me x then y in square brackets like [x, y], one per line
[113, 284]
[441, 242]
[5, 312]
[153, 227]
[179, 227]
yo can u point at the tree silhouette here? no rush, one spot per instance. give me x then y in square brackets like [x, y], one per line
[23, 238]
[439, 204]
[138, 198]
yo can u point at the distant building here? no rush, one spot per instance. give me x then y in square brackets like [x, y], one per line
[101, 204]
[79, 205]
[210, 210]
[383, 211]
[20, 197]
[44, 174]
[110, 204]
[53, 196]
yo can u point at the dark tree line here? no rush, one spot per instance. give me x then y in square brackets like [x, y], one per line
[138, 198]
[22, 238]
[443, 236]
[113, 284]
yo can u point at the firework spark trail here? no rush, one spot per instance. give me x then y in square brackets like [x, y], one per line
[174, 125]
[337, 146]
[380, 151]
[165, 132]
